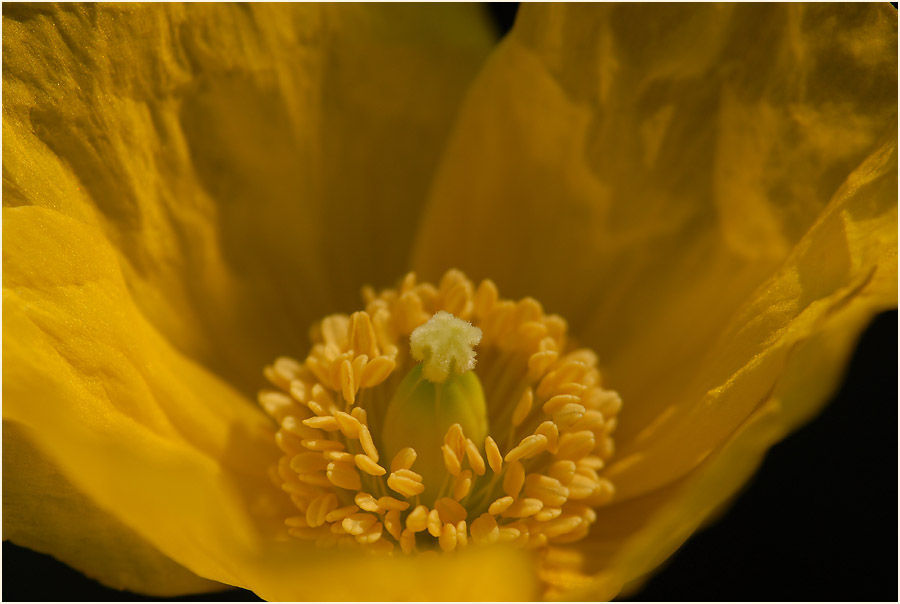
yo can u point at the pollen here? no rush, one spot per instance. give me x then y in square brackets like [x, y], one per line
[396, 442]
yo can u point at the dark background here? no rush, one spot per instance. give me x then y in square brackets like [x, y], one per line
[817, 523]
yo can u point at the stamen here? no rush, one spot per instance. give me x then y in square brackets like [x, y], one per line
[511, 450]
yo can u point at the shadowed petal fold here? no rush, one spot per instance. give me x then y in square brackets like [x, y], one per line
[244, 161]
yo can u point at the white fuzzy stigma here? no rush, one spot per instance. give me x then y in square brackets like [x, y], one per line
[444, 344]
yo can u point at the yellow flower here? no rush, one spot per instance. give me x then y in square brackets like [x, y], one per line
[707, 194]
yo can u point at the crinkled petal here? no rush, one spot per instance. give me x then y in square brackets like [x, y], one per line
[252, 165]
[704, 191]
[796, 366]
[843, 271]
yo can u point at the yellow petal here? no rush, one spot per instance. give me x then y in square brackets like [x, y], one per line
[843, 272]
[43, 511]
[704, 191]
[490, 573]
[243, 161]
[170, 451]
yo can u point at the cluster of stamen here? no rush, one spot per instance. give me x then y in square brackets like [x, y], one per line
[533, 482]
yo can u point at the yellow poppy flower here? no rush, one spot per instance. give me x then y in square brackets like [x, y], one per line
[706, 194]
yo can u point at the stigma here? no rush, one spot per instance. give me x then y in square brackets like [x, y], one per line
[446, 346]
[395, 441]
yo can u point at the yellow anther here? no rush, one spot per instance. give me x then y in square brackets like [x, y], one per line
[569, 414]
[368, 445]
[495, 460]
[348, 424]
[292, 424]
[296, 521]
[376, 371]
[389, 503]
[447, 539]
[563, 471]
[307, 462]
[485, 530]
[547, 489]
[551, 431]
[528, 447]
[523, 508]
[509, 533]
[475, 458]
[344, 476]
[323, 445]
[581, 486]
[523, 407]
[405, 485]
[450, 510]
[548, 513]
[324, 401]
[319, 508]
[368, 465]
[514, 479]
[591, 420]
[341, 456]
[434, 523]
[317, 479]
[451, 461]
[357, 524]
[456, 440]
[348, 388]
[539, 362]
[559, 401]
[603, 493]
[360, 414]
[485, 298]
[392, 524]
[299, 391]
[366, 502]
[371, 535]
[409, 474]
[462, 485]
[417, 520]
[276, 404]
[404, 459]
[341, 513]
[408, 541]
[500, 505]
[562, 525]
[462, 538]
[575, 445]
[361, 334]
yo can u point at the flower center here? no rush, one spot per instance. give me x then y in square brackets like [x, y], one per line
[508, 451]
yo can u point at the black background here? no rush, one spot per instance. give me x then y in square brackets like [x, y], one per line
[817, 523]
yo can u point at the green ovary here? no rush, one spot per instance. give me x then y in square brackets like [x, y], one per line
[421, 412]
